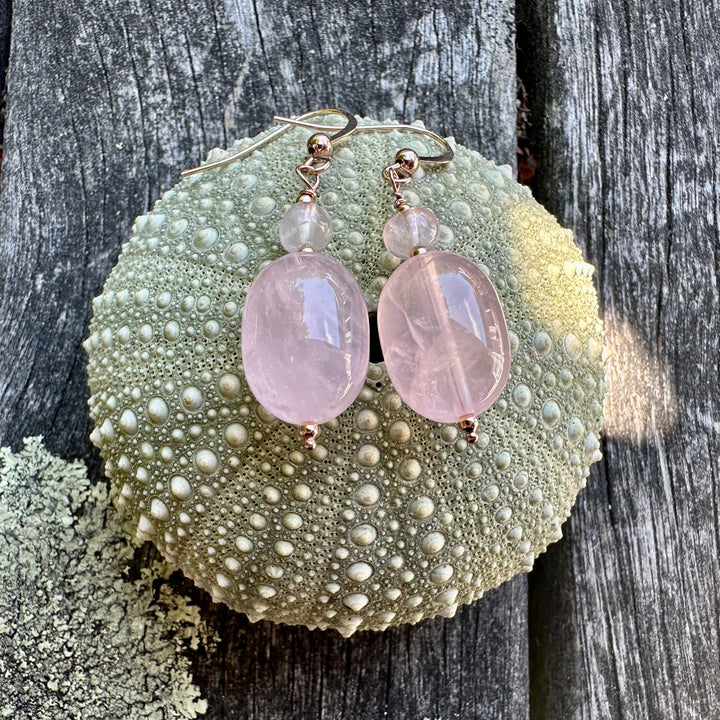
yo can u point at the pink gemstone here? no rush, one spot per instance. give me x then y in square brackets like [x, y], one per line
[305, 224]
[443, 336]
[414, 227]
[305, 338]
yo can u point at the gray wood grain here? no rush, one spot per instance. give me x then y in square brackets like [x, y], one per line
[625, 100]
[5, 21]
[438, 669]
[107, 101]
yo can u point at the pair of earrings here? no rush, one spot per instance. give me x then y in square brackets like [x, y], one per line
[305, 328]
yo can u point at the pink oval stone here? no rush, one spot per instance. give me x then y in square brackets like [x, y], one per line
[443, 335]
[305, 338]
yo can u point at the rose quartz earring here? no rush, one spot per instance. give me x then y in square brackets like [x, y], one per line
[441, 325]
[305, 331]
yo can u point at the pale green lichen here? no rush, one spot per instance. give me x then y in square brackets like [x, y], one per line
[77, 638]
[392, 518]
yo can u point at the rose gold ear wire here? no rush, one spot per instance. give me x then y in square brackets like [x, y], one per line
[319, 146]
[447, 155]
[406, 161]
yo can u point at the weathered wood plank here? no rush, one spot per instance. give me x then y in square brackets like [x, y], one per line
[625, 100]
[439, 669]
[5, 20]
[107, 102]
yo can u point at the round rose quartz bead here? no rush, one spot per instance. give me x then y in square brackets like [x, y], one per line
[305, 338]
[443, 335]
[411, 228]
[305, 224]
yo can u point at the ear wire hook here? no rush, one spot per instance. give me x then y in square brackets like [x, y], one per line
[445, 157]
[349, 127]
[406, 161]
[301, 121]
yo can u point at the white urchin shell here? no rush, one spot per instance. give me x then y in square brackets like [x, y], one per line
[391, 518]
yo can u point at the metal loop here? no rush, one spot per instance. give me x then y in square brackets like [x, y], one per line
[305, 173]
[396, 176]
[312, 168]
[316, 165]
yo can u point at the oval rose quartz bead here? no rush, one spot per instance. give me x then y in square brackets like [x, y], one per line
[305, 338]
[443, 335]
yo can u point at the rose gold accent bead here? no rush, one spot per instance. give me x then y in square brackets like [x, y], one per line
[468, 425]
[306, 196]
[319, 145]
[408, 160]
[308, 432]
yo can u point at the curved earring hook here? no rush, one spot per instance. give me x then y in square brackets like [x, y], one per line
[349, 127]
[442, 159]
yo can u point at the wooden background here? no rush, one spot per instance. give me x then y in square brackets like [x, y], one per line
[108, 99]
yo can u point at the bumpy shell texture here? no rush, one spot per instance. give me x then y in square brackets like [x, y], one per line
[392, 518]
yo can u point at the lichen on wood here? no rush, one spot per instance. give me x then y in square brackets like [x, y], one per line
[77, 637]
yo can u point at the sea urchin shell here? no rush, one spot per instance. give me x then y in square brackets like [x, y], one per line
[391, 518]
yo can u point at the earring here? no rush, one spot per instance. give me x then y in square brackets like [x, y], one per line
[441, 325]
[305, 336]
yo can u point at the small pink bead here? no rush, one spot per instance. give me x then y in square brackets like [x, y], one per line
[415, 227]
[305, 338]
[305, 224]
[443, 335]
